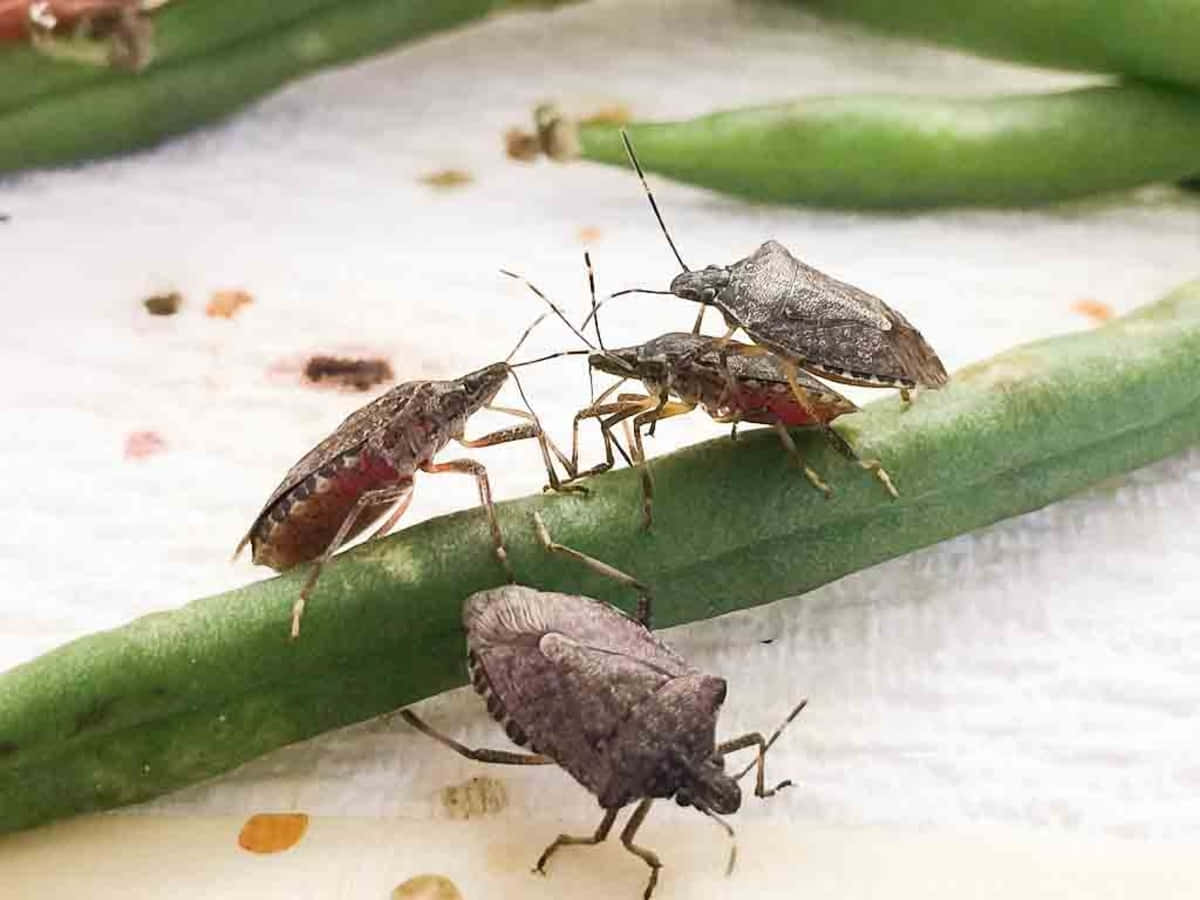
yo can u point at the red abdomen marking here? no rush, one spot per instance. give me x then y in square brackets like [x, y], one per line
[300, 524]
[776, 403]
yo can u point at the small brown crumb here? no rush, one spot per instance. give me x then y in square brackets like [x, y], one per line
[272, 832]
[140, 444]
[163, 304]
[1093, 309]
[589, 234]
[427, 887]
[340, 371]
[478, 796]
[446, 179]
[521, 145]
[614, 114]
[225, 304]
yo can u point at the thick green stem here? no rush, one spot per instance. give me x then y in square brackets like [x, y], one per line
[177, 697]
[909, 151]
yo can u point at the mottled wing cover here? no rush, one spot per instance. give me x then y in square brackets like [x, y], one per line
[567, 670]
[800, 311]
[350, 435]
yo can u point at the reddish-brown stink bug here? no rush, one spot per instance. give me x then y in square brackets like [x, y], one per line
[366, 467]
[682, 371]
[588, 688]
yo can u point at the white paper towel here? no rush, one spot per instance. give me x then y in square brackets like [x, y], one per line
[1040, 672]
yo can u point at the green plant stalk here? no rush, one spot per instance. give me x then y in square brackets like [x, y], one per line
[177, 697]
[212, 62]
[1156, 40]
[905, 151]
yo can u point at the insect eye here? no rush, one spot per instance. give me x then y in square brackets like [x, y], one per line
[708, 294]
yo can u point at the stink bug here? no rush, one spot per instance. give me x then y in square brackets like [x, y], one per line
[588, 688]
[681, 371]
[115, 33]
[806, 317]
[366, 466]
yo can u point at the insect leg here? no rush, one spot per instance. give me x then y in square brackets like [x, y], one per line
[479, 754]
[566, 840]
[530, 429]
[664, 409]
[644, 596]
[789, 445]
[756, 739]
[366, 499]
[631, 827]
[573, 468]
[874, 466]
[470, 467]
[616, 412]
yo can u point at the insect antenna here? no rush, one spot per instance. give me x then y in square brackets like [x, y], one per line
[729, 831]
[774, 737]
[528, 331]
[596, 308]
[653, 205]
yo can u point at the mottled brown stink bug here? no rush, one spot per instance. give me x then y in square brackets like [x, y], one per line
[681, 371]
[591, 689]
[806, 317]
[366, 466]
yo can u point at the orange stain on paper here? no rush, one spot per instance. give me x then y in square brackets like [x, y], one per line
[272, 832]
[1093, 309]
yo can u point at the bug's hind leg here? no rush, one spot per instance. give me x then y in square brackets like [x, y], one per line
[401, 492]
[648, 856]
[479, 754]
[566, 840]
[785, 437]
[644, 596]
[874, 466]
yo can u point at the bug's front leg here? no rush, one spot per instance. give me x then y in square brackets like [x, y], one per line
[529, 429]
[663, 409]
[754, 739]
[473, 468]
[648, 856]
[566, 840]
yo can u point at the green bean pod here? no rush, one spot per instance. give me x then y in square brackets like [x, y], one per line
[883, 152]
[1155, 40]
[180, 696]
[212, 58]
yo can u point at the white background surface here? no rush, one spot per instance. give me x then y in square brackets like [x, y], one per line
[1040, 673]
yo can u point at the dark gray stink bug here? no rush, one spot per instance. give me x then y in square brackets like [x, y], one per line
[587, 687]
[806, 317]
[366, 467]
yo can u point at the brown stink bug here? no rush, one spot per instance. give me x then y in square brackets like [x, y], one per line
[806, 317]
[366, 467]
[682, 371]
[588, 688]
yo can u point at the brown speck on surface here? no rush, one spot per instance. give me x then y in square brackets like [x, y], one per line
[163, 304]
[140, 444]
[446, 179]
[613, 114]
[347, 372]
[589, 234]
[427, 887]
[225, 304]
[272, 832]
[1093, 309]
[521, 145]
[478, 796]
